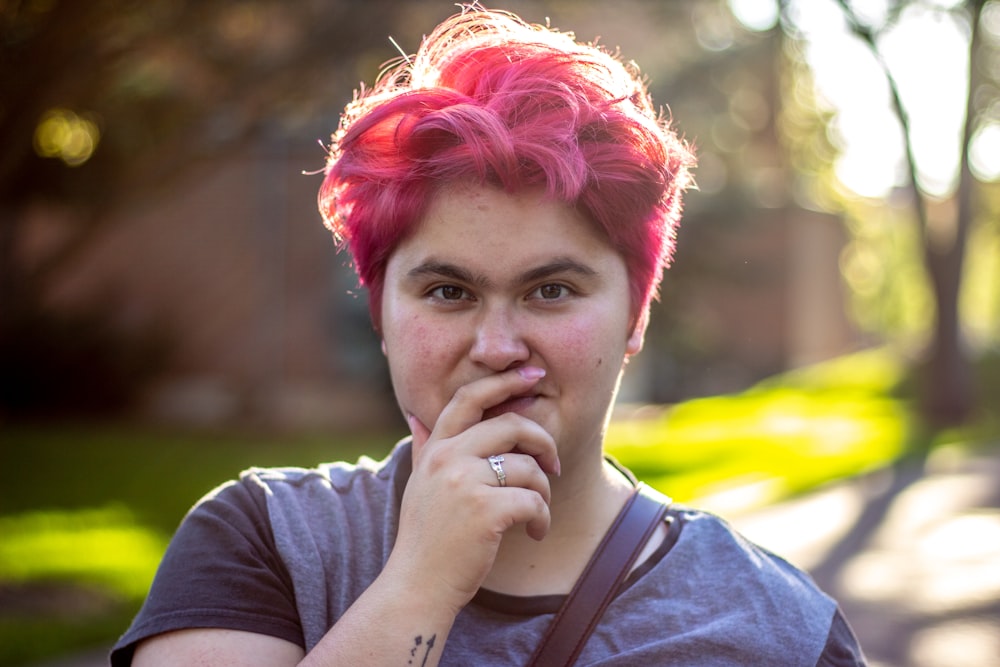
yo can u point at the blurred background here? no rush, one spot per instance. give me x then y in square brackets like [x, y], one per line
[823, 366]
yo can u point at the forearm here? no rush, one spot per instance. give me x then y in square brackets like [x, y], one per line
[390, 624]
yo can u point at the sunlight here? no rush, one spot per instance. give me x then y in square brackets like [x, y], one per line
[740, 452]
[103, 546]
[804, 530]
[936, 646]
[932, 83]
[965, 576]
[957, 546]
[971, 545]
[984, 152]
[756, 15]
[733, 497]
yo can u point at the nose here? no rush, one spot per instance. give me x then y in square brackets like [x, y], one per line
[499, 341]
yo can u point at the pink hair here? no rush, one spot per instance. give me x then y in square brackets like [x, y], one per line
[491, 98]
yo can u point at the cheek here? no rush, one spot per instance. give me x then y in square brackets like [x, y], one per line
[418, 357]
[586, 341]
[574, 341]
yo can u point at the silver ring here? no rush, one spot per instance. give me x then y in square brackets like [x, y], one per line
[495, 462]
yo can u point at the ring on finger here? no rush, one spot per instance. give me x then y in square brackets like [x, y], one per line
[495, 462]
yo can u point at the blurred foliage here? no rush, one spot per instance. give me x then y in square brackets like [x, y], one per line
[890, 293]
[162, 84]
[105, 104]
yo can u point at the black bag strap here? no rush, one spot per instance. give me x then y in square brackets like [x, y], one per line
[601, 579]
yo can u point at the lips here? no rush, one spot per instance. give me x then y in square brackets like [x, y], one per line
[512, 404]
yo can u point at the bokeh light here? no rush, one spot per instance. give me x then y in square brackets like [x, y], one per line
[984, 153]
[756, 15]
[63, 134]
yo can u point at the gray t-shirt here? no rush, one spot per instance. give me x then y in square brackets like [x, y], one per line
[285, 552]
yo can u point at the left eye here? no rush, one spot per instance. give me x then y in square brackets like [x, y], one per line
[551, 291]
[448, 293]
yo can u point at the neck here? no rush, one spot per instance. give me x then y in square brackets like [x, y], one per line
[584, 505]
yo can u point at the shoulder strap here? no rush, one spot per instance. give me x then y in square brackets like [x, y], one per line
[601, 579]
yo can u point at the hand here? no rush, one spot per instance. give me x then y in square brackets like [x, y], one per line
[454, 513]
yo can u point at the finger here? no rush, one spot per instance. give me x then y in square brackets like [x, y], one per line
[520, 471]
[471, 400]
[527, 507]
[513, 433]
[419, 432]
[508, 433]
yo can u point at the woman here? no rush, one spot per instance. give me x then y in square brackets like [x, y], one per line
[510, 200]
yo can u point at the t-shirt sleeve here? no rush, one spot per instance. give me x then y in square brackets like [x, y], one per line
[842, 648]
[221, 570]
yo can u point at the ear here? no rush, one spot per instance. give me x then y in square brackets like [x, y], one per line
[635, 340]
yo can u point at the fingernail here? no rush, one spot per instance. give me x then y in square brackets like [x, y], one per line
[558, 468]
[531, 372]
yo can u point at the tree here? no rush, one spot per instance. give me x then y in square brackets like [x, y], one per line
[104, 103]
[947, 393]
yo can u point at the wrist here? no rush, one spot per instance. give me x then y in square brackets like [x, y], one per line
[422, 590]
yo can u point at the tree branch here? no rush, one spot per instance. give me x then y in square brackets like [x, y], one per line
[866, 35]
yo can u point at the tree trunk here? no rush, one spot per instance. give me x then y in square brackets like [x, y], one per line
[948, 389]
[947, 395]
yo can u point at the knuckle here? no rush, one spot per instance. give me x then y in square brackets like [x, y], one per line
[479, 502]
[511, 418]
[434, 457]
[452, 478]
[518, 425]
[541, 507]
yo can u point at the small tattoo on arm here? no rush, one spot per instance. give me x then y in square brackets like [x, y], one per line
[417, 642]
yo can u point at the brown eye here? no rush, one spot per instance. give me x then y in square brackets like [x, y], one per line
[551, 291]
[449, 293]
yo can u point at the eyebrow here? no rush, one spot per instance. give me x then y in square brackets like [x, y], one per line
[558, 265]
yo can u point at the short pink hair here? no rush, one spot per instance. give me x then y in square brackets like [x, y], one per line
[490, 98]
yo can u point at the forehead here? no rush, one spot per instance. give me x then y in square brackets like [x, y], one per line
[484, 223]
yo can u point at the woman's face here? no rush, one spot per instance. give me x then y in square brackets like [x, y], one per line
[490, 281]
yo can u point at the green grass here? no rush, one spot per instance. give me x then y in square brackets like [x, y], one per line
[86, 512]
[781, 437]
[158, 475]
[104, 548]
[71, 578]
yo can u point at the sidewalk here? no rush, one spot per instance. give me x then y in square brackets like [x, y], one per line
[912, 554]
